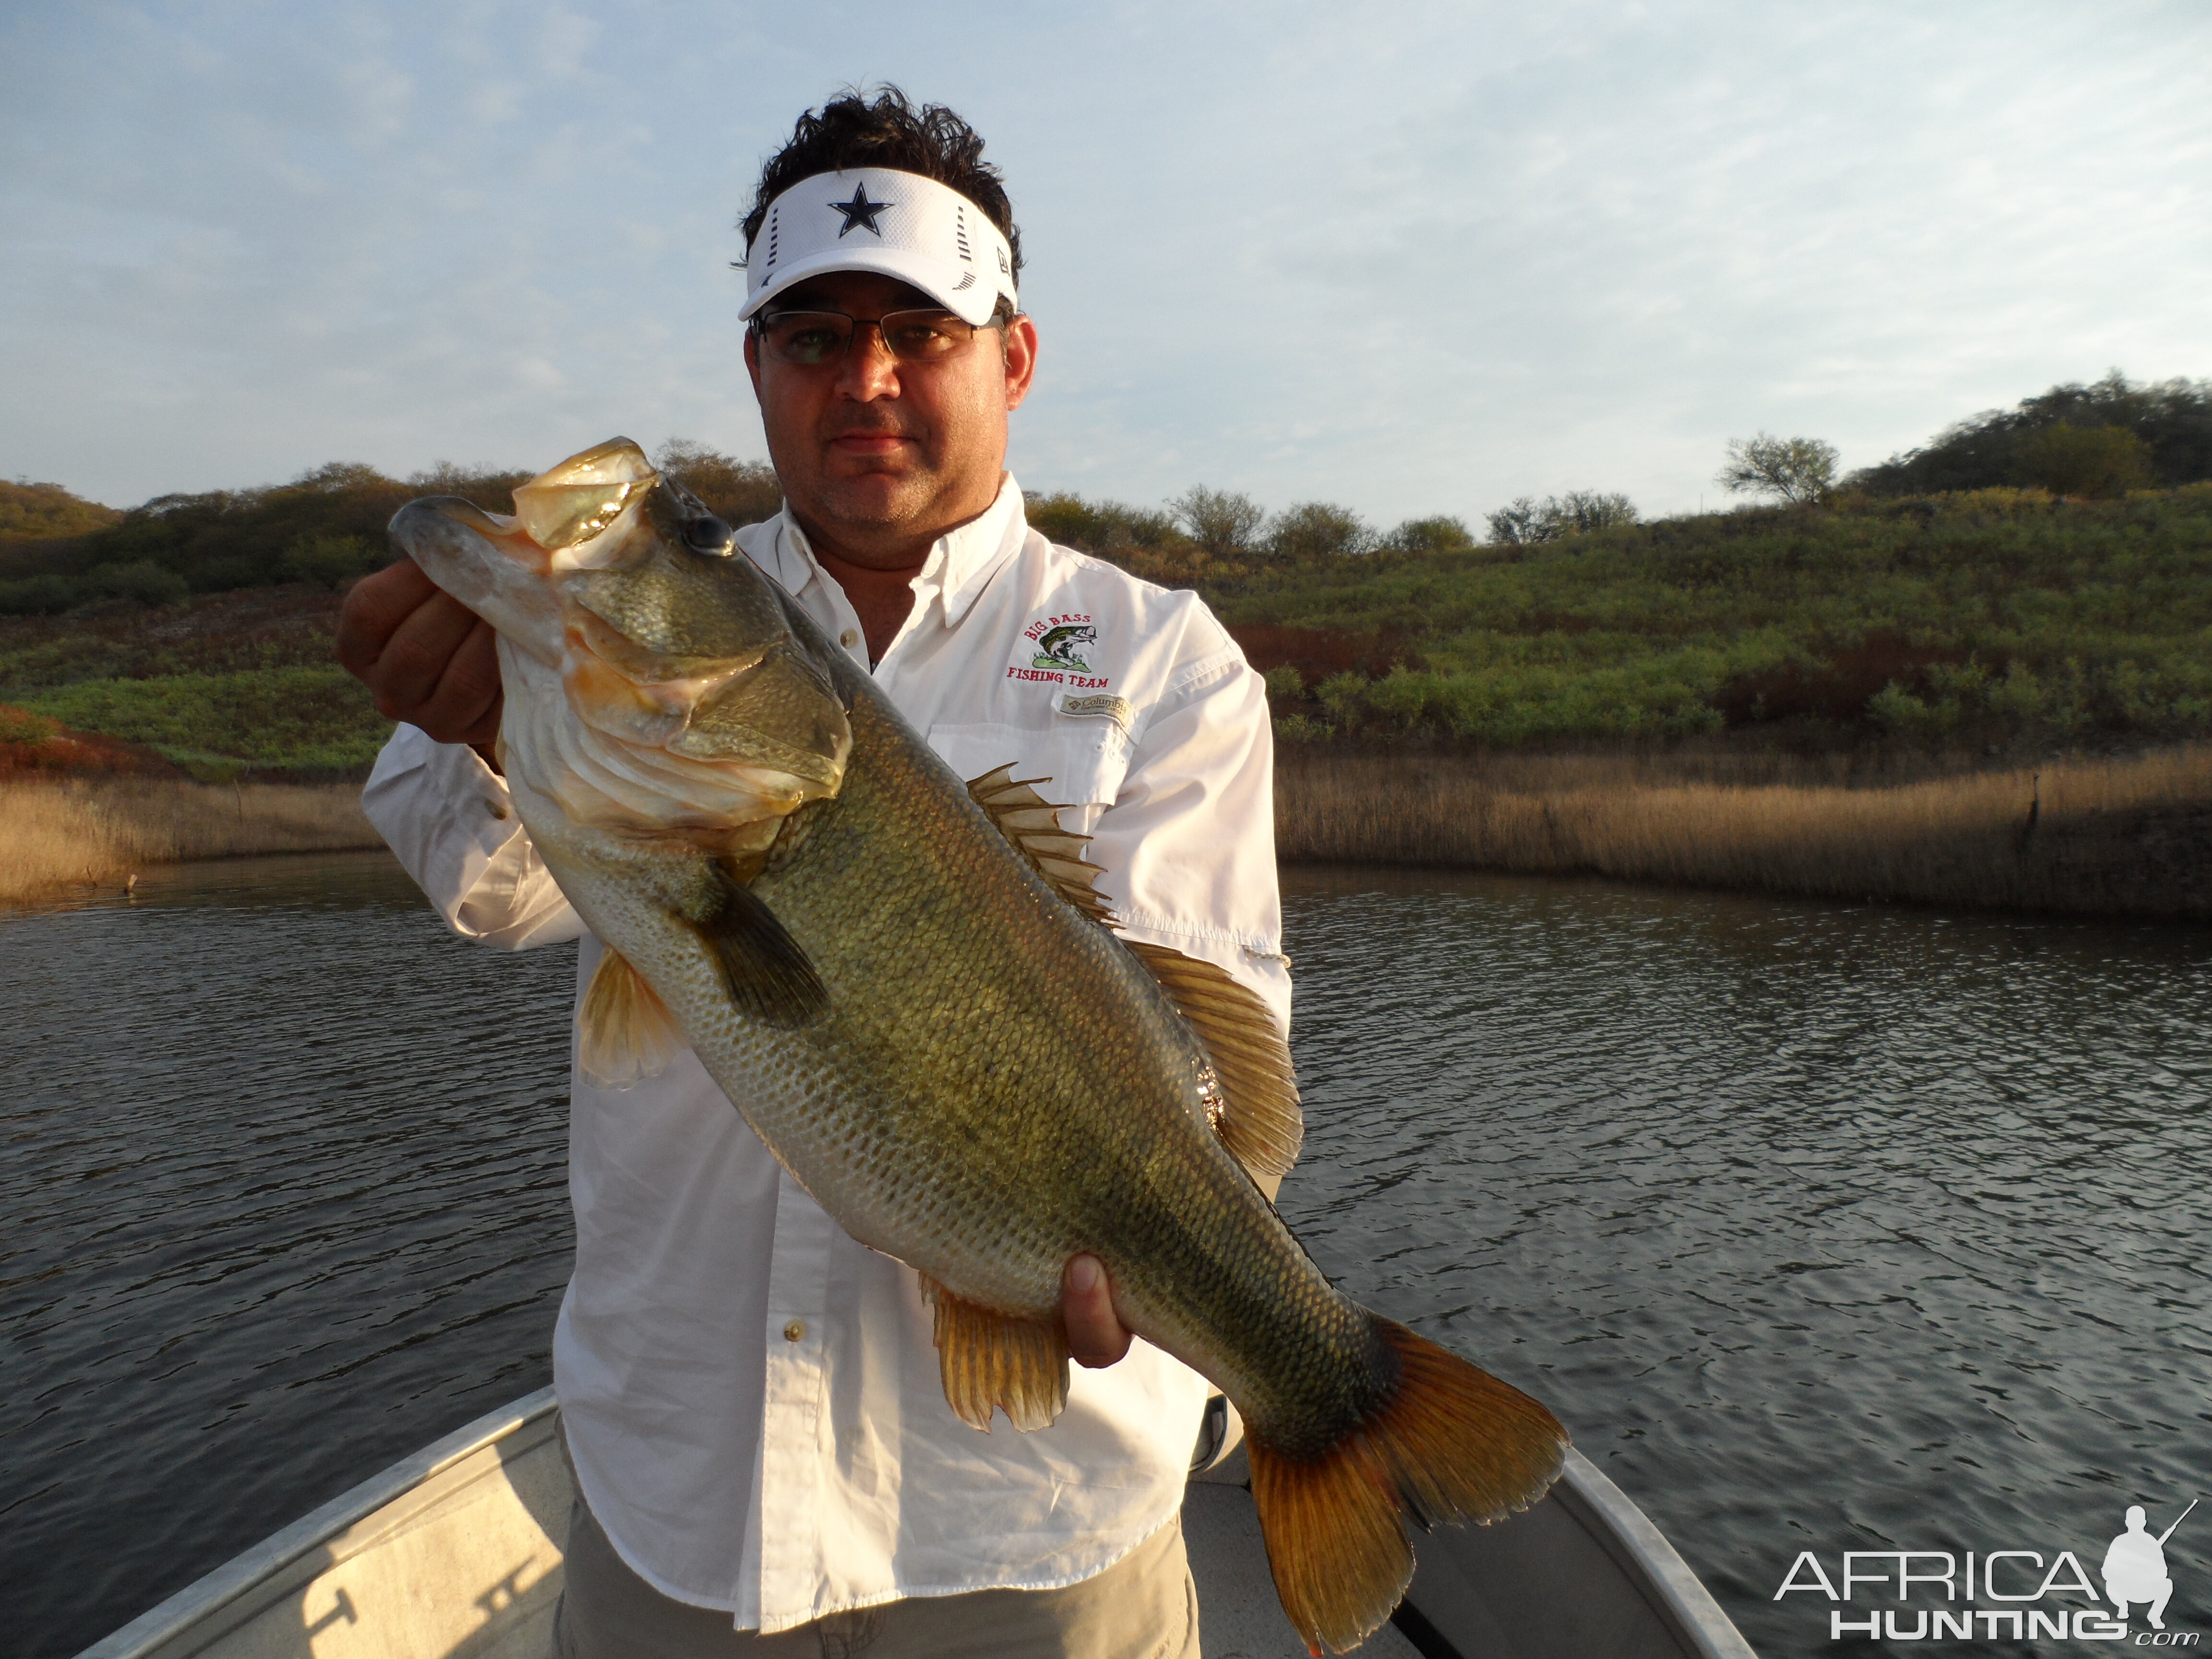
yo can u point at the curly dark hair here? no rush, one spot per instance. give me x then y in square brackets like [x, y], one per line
[852, 131]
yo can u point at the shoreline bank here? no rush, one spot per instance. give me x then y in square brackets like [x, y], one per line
[2120, 837]
[59, 833]
[2117, 837]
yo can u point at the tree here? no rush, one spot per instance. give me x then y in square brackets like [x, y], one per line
[1799, 470]
[1997, 448]
[1109, 528]
[1590, 510]
[1441, 534]
[1222, 521]
[1519, 523]
[1319, 530]
[2097, 461]
[1525, 522]
[737, 492]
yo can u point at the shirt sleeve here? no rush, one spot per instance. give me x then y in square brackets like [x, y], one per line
[449, 818]
[1187, 847]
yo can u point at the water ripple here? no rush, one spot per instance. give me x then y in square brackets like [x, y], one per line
[285, 1177]
[1823, 1227]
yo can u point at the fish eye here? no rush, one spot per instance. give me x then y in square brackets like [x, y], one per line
[707, 534]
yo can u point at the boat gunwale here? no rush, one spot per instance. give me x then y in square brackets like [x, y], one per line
[1635, 1546]
[245, 1572]
[1650, 1560]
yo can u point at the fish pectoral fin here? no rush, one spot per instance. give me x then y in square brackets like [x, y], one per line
[993, 1361]
[625, 1032]
[768, 973]
[1260, 1122]
[1031, 824]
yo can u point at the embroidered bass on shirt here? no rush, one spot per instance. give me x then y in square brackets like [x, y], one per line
[1059, 648]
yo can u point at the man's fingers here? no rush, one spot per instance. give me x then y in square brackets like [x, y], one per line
[427, 657]
[1096, 1335]
[465, 707]
[413, 663]
[373, 610]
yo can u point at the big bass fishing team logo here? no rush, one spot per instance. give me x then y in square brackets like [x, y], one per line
[2031, 1595]
[1057, 650]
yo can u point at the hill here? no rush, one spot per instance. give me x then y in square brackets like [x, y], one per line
[48, 510]
[200, 627]
[2101, 439]
[1972, 624]
[2004, 619]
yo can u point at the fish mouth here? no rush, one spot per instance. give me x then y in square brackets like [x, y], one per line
[487, 561]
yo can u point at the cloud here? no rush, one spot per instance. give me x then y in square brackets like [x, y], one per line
[1414, 260]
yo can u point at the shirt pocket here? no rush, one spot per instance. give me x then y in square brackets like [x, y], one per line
[1084, 761]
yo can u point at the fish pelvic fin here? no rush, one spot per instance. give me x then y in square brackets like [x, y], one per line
[625, 1033]
[1260, 1122]
[1450, 1443]
[1031, 824]
[769, 973]
[993, 1361]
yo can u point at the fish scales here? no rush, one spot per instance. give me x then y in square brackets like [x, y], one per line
[952, 1058]
[1071, 1111]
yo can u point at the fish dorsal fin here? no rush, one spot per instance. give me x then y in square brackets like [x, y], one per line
[625, 1032]
[1031, 824]
[1259, 1121]
[993, 1361]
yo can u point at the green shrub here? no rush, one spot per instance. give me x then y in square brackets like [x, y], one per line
[1441, 534]
[142, 580]
[2097, 461]
[1401, 696]
[1319, 530]
[1108, 528]
[1342, 695]
[318, 719]
[40, 596]
[332, 562]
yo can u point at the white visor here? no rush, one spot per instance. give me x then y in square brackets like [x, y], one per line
[873, 219]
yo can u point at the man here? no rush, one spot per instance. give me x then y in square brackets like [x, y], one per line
[764, 1458]
[2134, 1569]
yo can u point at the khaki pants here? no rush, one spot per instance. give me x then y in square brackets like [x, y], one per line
[1142, 1606]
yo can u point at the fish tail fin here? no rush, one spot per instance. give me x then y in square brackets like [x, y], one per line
[1449, 1442]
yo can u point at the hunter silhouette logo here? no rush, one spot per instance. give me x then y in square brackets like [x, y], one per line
[2135, 1567]
[1057, 647]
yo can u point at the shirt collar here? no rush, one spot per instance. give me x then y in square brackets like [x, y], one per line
[960, 565]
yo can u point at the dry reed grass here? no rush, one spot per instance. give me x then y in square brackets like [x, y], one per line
[69, 831]
[2125, 837]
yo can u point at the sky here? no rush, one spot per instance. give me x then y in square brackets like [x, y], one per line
[1414, 259]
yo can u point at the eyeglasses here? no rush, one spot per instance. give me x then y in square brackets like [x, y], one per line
[811, 339]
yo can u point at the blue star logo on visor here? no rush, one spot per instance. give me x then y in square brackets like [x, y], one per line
[860, 211]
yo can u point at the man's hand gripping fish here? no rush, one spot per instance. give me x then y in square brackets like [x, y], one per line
[904, 985]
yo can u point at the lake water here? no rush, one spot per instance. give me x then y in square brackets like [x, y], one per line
[1824, 1228]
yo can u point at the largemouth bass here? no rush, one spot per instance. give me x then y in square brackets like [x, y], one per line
[904, 983]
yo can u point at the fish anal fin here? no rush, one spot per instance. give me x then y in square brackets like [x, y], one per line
[624, 1031]
[993, 1361]
[1031, 824]
[1259, 1120]
[769, 973]
[1448, 1443]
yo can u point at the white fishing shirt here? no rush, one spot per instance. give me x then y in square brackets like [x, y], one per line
[751, 1397]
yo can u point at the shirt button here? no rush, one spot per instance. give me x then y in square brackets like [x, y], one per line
[795, 1331]
[497, 809]
[848, 639]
